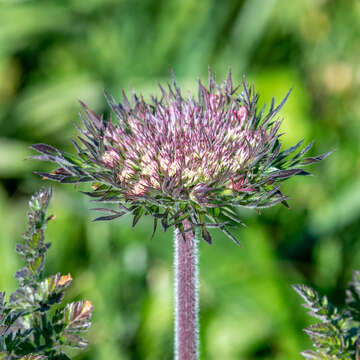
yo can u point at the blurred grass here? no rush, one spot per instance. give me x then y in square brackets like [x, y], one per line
[53, 53]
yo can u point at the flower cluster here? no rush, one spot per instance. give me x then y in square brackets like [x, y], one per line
[191, 147]
[179, 158]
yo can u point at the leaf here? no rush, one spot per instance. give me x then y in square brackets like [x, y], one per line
[62, 356]
[46, 176]
[302, 152]
[75, 179]
[230, 236]
[278, 108]
[285, 174]
[76, 341]
[231, 215]
[137, 215]
[286, 153]
[313, 355]
[72, 159]
[180, 227]
[353, 297]
[77, 316]
[154, 228]
[206, 235]
[2, 301]
[106, 218]
[311, 160]
[34, 357]
[45, 149]
[164, 220]
[308, 294]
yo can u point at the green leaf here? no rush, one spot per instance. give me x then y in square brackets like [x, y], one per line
[137, 215]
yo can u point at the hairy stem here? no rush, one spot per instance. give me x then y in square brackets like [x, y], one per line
[186, 295]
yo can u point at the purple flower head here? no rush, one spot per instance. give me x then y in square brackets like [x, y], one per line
[179, 157]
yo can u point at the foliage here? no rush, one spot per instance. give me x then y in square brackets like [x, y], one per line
[337, 335]
[32, 325]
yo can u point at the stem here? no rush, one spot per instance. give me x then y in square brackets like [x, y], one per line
[186, 295]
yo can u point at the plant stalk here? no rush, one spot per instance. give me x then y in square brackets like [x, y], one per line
[186, 295]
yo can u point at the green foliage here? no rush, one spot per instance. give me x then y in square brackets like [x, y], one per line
[337, 335]
[32, 325]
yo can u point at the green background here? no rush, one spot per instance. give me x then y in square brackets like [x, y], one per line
[55, 52]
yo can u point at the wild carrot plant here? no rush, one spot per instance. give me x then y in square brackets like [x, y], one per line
[188, 162]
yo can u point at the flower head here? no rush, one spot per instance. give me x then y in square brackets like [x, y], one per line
[65, 280]
[87, 307]
[179, 158]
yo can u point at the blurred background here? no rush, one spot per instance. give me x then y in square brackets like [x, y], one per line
[53, 53]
